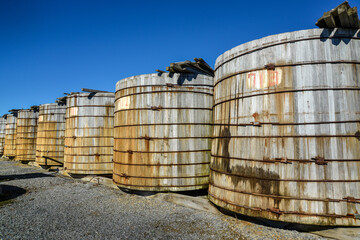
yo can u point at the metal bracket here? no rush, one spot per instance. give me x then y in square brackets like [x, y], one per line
[170, 85]
[156, 108]
[274, 210]
[258, 124]
[285, 160]
[124, 175]
[147, 138]
[270, 66]
[319, 160]
[350, 199]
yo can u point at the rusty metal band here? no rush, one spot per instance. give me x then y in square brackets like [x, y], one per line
[258, 209]
[49, 151]
[17, 133]
[50, 114]
[42, 131]
[154, 177]
[173, 91]
[26, 126]
[51, 138]
[84, 171]
[161, 124]
[184, 151]
[281, 43]
[283, 180]
[285, 65]
[25, 155]
[86, 162]
[77, 95]
[278, 197]
[40, 145]
[285, 123]
[91, 137]
[278, 160]
[289, 91]
[87, 146]
[57, 122]
[159, 85]
[162, 108]
[165, 186]
[80, 106]
[92, 116]
[292, 136]
[87, 155]
[162, 165]
[98, 128]
[163, 138]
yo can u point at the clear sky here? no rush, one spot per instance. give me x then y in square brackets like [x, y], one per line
[48, 47]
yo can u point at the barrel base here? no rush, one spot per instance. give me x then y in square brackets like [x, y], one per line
[162, 188]
[79, 176]
[295, 221]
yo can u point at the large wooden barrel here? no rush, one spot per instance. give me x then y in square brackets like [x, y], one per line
[89, 137]
[26, 129]
[163, 132]
[287, 128]
[51, 135]
[10, 136]
[2, 134]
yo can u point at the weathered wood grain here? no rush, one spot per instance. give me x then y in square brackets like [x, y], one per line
[286, 141]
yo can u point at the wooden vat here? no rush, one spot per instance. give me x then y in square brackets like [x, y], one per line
[2, 134]
[10, 136]
[51, 135]
[287, 128]
[89, 137]
[26, 129]
[163, 132]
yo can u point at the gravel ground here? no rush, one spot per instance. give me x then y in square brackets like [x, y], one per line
[49, 206]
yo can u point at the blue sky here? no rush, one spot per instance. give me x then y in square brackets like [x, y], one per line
[48, 47]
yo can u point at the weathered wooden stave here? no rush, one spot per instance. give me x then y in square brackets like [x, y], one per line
[2, 134]
[10, 136]
[162, 139]
[50, 134]
[283, 140]
[89, 133]
[26, 130]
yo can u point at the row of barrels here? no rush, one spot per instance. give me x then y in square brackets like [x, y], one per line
[276, 133]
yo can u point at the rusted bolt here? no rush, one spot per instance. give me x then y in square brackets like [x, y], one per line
[130, 152]
[97, 154]
[319, 160]
[270, 66]
[74, 137]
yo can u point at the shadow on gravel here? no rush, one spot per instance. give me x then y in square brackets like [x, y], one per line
[275, 224]
[4, 178]
[194, 193]
[8, 192]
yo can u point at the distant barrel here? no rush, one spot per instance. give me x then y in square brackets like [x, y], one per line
[286, 141]
[10, 136]
[163, 132]
[89, 135]
[26, 129]
[2, 135]
[50, 138]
